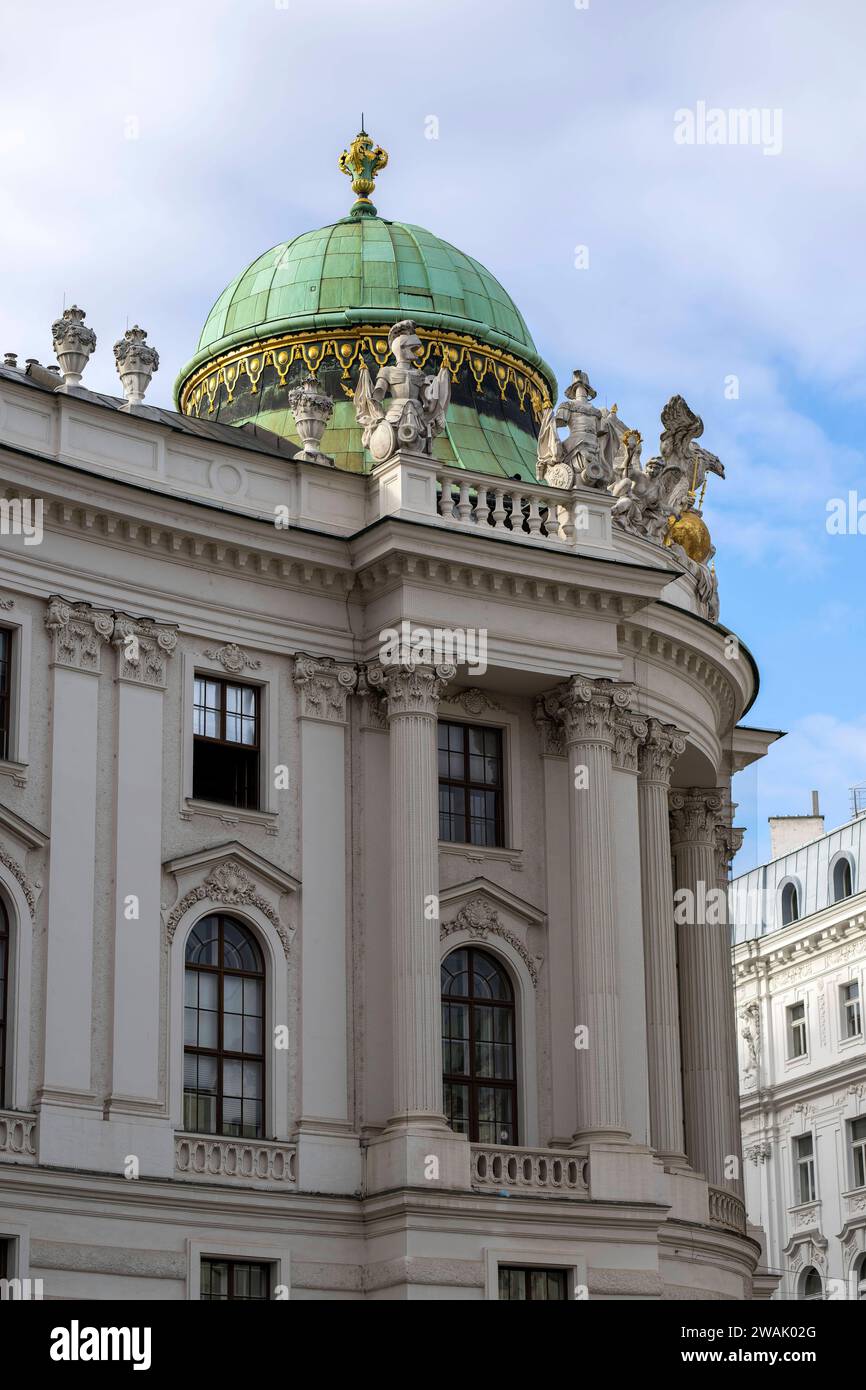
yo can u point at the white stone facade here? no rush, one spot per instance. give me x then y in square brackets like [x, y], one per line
[163, 531]
[799, 992]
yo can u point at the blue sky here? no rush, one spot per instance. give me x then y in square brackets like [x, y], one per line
[147, 155]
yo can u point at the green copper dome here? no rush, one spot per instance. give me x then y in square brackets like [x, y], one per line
[323, 302]
[361, 267]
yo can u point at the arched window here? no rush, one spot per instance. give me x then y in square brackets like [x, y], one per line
[224, 1058]
[842, 885]
[479, 1062]
[811, 1287]
[4, 996]
[860, 1280]
[790, 904]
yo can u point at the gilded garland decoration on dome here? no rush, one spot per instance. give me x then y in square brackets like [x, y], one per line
[201, 391]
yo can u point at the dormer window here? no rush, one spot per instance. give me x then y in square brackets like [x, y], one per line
[842, 885]
[790, 904]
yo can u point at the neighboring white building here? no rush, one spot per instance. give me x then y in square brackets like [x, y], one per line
[232, 923]
[800, 970]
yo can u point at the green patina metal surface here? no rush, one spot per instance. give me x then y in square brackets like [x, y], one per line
[365, 270]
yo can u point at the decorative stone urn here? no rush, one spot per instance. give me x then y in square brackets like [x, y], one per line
[73, 346]
[311, 408]
[136, 364]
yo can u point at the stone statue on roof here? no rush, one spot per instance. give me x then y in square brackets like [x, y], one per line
[587, 455]
[418, 402]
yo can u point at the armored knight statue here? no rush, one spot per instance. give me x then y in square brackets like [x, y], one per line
[587, 456]
[418, 404]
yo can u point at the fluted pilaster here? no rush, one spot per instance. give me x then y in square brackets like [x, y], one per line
[412, 699]
[588, 711]
[710, 1093]
[662, 746]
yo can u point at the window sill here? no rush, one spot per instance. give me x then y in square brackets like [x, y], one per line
[478, 851]
[17, 771]
[855, 1041]
[229, 815]
[796, 1061]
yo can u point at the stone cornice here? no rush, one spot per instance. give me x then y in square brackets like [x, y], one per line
[707, 673]
[804, 949]
[584, 592]
[126, 516]
[323, 686]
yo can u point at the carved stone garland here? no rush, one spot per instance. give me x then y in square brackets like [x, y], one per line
[479, 919]
[230, 884]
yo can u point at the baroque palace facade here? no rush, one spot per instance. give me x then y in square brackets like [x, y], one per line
[270, 1027]
[800, 969]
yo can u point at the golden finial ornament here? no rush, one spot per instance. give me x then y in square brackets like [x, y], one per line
[362, 161]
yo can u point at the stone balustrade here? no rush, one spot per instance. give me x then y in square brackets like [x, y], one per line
[521, 510]
[537, 1172]
[248, 1163]
[17, 1137]
[726, 1209]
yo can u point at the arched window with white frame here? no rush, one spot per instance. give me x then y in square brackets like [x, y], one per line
[811, 1285]
[843, 879]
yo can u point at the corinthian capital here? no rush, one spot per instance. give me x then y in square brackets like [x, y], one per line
[629, 730]
[143, 649]
[411, 687]
[728, 839]
[659, 751]
[695, 815]
[78, 631]
[323, 685]
[588, 709]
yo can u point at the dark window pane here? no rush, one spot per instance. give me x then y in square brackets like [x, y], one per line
[5, 690]
[478, 1045]
[223, 1015]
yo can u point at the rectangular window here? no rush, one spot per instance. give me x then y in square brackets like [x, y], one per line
[5, 692]
[804, 1157]
[858, 1152]
[852, 1019]
[797, 1044]
[532, 1285]
[470, 785]
[5, 1257]
[235, 1281]
[225, 764]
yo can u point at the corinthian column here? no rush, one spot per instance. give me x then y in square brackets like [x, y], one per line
[587, 710]
[710, 1094]
[412, 699]
[662, 745]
